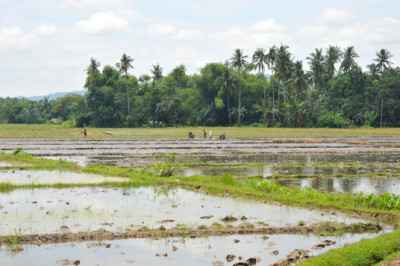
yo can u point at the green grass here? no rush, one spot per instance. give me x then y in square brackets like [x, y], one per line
[364, 252]
[14, 131]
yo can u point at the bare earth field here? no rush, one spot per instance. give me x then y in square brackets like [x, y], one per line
[137, 147]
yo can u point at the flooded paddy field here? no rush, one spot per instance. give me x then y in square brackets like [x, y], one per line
[176, 251]
[100, 211]
[19, 177]
[348, 185]
[38, 211]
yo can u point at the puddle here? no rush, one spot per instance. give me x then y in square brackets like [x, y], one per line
[5, 164]
[197, 251]
[348, 185]
[89, 209]
[52, 177]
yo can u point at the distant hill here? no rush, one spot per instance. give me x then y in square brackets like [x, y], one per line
[52, 96]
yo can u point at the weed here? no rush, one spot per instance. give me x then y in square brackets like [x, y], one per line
[167, 168]
[301, 223]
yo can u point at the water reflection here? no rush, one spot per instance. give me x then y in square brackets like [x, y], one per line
[348, 185]
[197, 251]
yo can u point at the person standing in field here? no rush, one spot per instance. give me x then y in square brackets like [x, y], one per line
[204, 133]
[210, 134]
[84, 132]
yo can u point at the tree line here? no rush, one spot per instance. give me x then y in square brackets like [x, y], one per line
[334, 92]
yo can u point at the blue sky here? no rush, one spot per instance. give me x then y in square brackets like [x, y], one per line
[46, 45]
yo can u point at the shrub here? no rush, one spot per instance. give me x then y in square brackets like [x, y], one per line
[333, 120]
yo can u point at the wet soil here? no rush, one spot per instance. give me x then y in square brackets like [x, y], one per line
[85, 147]
[317, 229]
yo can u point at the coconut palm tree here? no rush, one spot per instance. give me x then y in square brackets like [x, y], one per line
[333, 55]
[227, 83]
[298, 81]
[259, 60]
[92, 70]
[283, 67]
[238, 60]
[316, 62]
[123, 66]
[157, 72]
[271, 58]
[382, 59]
[348, 59]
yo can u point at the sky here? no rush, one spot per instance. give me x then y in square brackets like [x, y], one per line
[45, 45]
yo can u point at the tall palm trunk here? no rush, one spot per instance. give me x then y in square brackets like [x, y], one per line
[240, 92]
[273, 97]
[127, 94]
[229, 113]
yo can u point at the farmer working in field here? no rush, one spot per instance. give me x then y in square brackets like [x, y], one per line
[84, 132]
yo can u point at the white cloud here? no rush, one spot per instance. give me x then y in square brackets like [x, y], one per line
[190, 35]
[46, 29]
[268, 25]
[92, 3]
[160, 29]
[312, 31]
[102, 23]
[334, 16]
[15, 38]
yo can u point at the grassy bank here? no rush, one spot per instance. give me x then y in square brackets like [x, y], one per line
[12, 131]
[365, 252]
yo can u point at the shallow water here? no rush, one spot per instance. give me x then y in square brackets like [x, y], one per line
[347, 185]
[89, 209]
[52, 177]
[238, 158]
[266, 171]
[197, 251]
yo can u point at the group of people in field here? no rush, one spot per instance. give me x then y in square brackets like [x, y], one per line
[191, 135]
[222, 136]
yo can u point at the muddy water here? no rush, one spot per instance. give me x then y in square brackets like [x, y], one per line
[52, 177]
[198, 251]
[89, 209]
[348, 185]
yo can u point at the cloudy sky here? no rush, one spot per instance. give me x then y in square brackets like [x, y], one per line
[45, 45]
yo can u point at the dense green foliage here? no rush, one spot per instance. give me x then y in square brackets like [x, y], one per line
[235, 92]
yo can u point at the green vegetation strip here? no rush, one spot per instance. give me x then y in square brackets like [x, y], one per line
[365, 252]
[15, 131]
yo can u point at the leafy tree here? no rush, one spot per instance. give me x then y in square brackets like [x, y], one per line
[238, 60]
